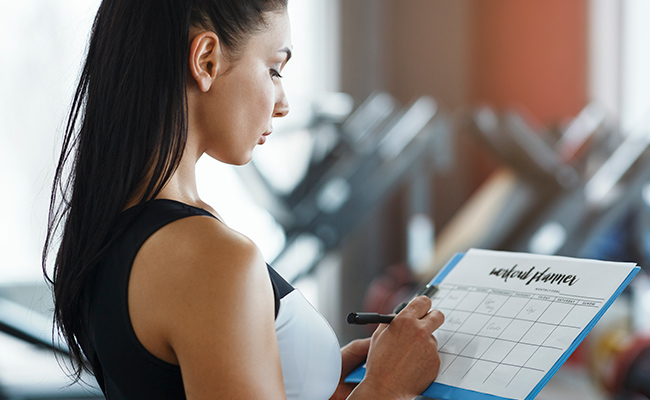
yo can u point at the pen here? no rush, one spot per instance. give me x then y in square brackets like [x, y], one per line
[361, 318]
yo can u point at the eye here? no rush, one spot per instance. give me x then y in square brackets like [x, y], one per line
[275, 73]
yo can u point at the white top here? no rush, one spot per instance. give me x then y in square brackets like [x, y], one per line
[309, 350]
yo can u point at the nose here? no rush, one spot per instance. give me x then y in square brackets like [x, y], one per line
[281, 107]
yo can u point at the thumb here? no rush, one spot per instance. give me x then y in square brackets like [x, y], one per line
[353, 354]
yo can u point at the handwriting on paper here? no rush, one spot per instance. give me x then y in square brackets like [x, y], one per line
[533, 275]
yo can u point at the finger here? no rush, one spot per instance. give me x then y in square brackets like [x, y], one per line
[380, 329]
[353, 354]
[434, 319]
[357, 348]
[418, 308]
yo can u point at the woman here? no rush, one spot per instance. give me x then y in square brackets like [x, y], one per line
[153, 293]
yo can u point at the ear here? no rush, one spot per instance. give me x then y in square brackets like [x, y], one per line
[205, 56]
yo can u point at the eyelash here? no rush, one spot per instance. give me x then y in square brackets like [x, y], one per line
[275, 74]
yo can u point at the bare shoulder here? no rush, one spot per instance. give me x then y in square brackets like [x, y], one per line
[188, 278]
[200, 246]
[200, 296]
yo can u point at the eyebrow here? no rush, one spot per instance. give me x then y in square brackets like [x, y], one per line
[288, 51]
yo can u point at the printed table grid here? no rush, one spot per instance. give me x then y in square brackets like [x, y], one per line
[451, 297]
[531, 356]
[505, 340]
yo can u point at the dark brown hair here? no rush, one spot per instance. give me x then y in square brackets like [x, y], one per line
[127, 127]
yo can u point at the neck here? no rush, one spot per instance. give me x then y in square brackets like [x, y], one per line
[181, 185]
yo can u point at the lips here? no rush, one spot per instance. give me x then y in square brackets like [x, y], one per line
[262, 138]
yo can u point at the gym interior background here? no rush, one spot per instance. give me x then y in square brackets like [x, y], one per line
[418, 129]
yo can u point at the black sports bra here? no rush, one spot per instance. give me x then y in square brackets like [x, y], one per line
[125, 369]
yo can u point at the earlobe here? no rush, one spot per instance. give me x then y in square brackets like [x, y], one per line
[204, 59]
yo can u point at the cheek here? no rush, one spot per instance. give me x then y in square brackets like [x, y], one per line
[269, 100]
[265, 97]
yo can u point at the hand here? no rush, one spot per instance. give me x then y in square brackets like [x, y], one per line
[352, 355]
[403, 357]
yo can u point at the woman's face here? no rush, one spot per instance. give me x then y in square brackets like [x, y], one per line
[236, 113]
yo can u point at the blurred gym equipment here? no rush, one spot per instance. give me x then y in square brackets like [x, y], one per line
[29, 369]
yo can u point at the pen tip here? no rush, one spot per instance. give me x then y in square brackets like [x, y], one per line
[351, 318]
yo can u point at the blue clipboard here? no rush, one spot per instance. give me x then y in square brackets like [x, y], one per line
[446, 392]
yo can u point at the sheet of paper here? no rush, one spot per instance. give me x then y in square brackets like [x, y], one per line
[509, 317]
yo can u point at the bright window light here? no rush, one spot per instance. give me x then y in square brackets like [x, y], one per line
[41, 47]
[42, 43]
[635, 80]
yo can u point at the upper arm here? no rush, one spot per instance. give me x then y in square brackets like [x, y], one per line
[219, 313]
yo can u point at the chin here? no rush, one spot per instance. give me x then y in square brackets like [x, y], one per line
[232, 159]
[246, 159]
[239, 163]
[244, 162]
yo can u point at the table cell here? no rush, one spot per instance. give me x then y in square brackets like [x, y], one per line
[474, 323]
[520, 354]
[458, 368]
[516, 330]
[512, 307]
[472, 301]
[495, 326]
[452, 299]
[491, 304]
[533, 310]
[477, 347]
[454, 320]
[498, 350]
[562, 337]
[544, 358]
[456, 343]
[502, 375]
[580, 316]
[480, 371]
[555, 313]
[537, 334]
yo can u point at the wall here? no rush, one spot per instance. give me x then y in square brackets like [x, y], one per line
[506, 53]
[531, 53]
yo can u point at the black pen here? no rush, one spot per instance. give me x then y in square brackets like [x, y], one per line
[361, 318]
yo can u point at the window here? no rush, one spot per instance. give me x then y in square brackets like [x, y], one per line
[620, 60]
[41, 47]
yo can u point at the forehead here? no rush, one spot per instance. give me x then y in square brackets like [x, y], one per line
[275, 36]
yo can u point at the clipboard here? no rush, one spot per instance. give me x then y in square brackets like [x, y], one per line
[513, 319]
